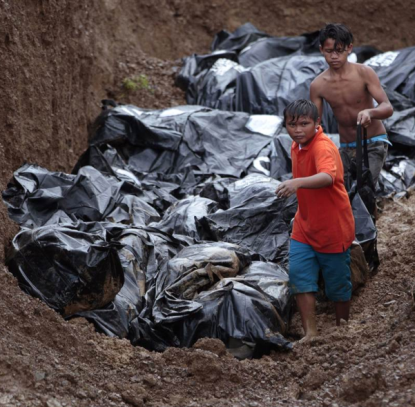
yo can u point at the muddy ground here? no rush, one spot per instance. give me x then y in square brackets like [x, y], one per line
[59, 59]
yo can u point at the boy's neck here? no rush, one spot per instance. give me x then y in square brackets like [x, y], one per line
[342, 70]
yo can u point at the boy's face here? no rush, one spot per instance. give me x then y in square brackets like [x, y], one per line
[336, 57]
[301, 129]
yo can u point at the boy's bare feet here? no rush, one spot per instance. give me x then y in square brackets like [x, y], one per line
[306, 303]
[310, 337]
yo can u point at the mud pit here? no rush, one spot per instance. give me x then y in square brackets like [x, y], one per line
[57, 70]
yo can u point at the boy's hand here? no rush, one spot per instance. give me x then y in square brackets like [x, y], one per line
[364, 118]
[287, 188]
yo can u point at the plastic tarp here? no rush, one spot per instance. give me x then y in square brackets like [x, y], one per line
[180, 218]
[397, 176]
[266, 88]
[274, 47]
[195, 64]
[256, 218]
[211, 142]
[147, 305]
[36, 196]
[214, 87]
[396, 70]
[142, 253]
[401, 127]
[272, 279]
[70, 268]
[211, 282]
[239, 39]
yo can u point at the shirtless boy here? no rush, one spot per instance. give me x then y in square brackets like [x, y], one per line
[349, 89]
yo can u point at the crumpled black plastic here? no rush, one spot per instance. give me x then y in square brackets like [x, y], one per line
[227, 312]
[179, 219]
[70, 268]
[238, 40]
[142, 253]
[272, 279]
[268, 48]
[211, 142]
[36, 196]
[207, 290]
[195, 64]
[257, 218]
[401, 127]
[396, 70]
[397, 176]
[192, 271]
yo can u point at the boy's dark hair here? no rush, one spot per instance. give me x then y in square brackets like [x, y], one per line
[299, 108]
[341, 35]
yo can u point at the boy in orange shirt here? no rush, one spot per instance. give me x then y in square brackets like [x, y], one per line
[323, 228]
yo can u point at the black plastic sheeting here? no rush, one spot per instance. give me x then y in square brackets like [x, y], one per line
[266, 88]
[274, 47]
[401, 127]
[70, 268]
[396, 70]
[144, 187]
[256, 218]
[186, 137]
[397, 176]
[219, 282]
[238, 40]
[180, 218]
[143, 252]
[37, 197]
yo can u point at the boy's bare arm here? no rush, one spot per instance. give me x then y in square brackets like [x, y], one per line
[288, 188]
[384, 108]
[315, 96]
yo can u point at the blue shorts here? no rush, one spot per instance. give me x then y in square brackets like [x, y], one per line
[305, 265]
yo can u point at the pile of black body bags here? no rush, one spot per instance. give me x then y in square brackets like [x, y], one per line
[168, 229]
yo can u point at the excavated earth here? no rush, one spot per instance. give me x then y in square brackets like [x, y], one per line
[60, 58]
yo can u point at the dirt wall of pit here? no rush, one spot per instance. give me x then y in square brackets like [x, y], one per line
[58, 58]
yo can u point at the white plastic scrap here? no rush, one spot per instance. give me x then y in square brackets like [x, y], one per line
[265, 124]
[171, 113]
[385, 59]
[222, 65]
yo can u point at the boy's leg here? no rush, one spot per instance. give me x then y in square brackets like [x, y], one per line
[342, 311]
[304, 271]
[306, 304]
[377, 153]
[337, 280]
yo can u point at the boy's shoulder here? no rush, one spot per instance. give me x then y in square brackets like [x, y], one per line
[320, 79]
[360, 69]
[353, 68]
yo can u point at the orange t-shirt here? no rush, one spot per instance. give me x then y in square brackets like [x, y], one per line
[324, 217]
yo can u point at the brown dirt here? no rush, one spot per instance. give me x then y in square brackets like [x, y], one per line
[60, 58]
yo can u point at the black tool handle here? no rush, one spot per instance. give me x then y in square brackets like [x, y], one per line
[359, 156]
